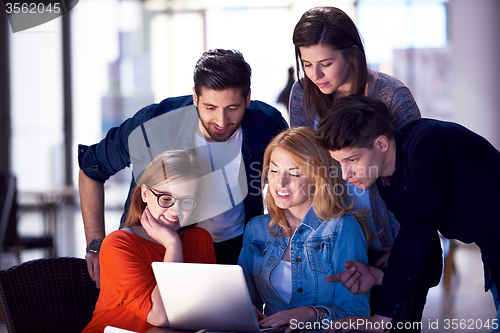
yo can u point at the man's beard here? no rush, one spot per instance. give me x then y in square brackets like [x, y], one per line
[220, 137]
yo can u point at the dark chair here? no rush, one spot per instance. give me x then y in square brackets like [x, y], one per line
[47, 295]
[10, 240]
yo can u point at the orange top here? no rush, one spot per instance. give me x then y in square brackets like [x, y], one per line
[127, 278]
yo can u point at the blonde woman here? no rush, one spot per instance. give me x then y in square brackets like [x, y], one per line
[308, 235]
[163, 201]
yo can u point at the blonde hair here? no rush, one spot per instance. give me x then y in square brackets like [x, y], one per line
[329, 199]
[165, 168]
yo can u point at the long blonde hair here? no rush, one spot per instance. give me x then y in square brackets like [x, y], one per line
[166, 167]
[329, 199]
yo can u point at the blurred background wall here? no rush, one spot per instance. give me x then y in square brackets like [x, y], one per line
[113, 57]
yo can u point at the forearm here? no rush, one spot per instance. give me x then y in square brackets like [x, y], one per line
[92, 205]
[173, 252]
[157, 315]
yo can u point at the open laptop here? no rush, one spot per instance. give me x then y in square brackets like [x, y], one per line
[206, 297]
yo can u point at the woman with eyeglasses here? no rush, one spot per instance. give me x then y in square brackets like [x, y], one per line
[163, 203]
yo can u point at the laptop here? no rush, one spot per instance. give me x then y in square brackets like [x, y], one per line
[113, 329]
[206, 297]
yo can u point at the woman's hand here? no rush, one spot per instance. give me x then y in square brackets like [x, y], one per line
[358, 278]
[259, 315]
[301, 315]
[158, 232]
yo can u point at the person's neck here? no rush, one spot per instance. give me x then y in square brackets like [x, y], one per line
[345, 89]
[294, 217]
[390, 160]
[342, 91]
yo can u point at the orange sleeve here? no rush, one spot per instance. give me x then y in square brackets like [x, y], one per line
[126, 272]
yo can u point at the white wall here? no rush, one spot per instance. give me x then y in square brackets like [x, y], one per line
[475, 41]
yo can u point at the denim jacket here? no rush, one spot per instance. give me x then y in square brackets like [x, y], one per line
[318, 249]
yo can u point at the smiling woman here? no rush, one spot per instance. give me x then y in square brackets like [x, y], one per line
[290, 189]
[163, 203]
[309, 233]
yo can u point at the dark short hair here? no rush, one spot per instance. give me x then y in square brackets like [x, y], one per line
[354, 122]
[220, 69]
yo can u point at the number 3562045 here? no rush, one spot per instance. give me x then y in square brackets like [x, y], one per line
[32, 8]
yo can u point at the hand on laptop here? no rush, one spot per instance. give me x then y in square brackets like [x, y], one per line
[283, 318]
[259, 315]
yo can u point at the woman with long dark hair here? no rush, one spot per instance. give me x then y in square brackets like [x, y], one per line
[331, 63]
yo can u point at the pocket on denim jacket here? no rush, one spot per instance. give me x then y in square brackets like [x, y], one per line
[319, 254]
[259, 251]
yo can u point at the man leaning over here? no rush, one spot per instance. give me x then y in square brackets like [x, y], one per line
[226, 130]
[434, 176]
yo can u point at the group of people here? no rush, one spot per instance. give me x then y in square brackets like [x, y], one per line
[355, 190]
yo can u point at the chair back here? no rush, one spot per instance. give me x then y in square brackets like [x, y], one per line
[47, 295]
[10, 240]
[7, 205]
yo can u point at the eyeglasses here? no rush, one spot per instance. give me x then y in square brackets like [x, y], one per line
[167, 201]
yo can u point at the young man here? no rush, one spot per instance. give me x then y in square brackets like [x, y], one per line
[227, 132]
[434, 176]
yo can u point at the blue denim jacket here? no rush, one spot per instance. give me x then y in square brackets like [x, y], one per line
[319, 249]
